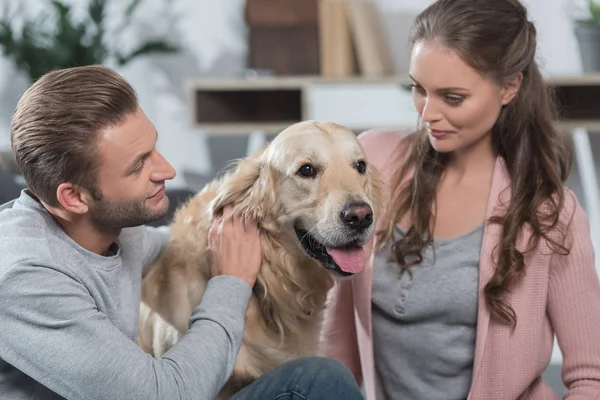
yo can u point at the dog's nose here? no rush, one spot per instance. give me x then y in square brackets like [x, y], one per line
[357, 216]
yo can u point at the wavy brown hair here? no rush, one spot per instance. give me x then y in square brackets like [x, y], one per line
[495, 38]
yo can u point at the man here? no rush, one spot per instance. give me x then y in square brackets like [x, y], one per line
[73, 251]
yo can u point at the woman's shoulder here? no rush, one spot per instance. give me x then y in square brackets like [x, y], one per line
[572, 220]
[381, 144]
[572, 213]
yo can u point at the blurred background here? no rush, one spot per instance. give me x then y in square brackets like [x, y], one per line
[220, 77]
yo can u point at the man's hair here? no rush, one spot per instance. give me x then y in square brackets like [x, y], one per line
[55, 127]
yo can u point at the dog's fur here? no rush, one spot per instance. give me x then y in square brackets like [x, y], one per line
[283, 316]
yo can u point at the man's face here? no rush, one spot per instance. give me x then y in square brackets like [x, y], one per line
[131, 176]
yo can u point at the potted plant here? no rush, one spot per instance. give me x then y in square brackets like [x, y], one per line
[37, 48]
[587, 32]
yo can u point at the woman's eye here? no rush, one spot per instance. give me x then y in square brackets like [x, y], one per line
[454, 99]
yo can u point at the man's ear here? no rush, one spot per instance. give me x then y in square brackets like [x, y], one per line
[511, 88]
[250, 189]
[73, 198]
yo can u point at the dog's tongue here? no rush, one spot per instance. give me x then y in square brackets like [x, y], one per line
[349, 260]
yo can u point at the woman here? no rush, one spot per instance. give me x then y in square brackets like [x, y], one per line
[483, 254]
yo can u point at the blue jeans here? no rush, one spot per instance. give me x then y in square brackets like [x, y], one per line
[312, 378]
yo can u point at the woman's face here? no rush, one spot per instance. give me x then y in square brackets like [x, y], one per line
[457, 104]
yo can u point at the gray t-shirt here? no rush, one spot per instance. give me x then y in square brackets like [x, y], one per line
[68, 318]
[424, 327]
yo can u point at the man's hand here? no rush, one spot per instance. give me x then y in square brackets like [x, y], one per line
[235, 247]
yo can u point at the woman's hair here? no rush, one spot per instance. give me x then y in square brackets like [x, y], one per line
[495, 38]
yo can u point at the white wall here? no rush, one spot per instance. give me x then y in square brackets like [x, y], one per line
[213, 35]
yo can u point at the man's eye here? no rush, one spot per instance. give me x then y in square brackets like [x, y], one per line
[417, 88]
[140, 167]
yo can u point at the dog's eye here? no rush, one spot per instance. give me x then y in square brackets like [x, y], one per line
[361, 167]
[307, 171]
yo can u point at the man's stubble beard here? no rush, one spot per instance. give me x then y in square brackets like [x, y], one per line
[107, 216]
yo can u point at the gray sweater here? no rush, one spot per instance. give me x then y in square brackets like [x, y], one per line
[68, 318]
[424, 324]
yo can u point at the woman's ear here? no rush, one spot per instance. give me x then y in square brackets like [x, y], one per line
[511, 88]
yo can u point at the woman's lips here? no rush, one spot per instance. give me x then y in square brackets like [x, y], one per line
[436, 133]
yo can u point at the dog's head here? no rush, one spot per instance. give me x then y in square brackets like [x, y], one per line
[313, 181]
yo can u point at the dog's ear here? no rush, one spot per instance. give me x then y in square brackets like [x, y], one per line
[250, 189]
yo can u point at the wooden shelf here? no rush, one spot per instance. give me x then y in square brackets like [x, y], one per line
[567, 126]
[259, 105]
[574, 80]
[287, 82]
[239, 106]
[245, 128]
[300, 81]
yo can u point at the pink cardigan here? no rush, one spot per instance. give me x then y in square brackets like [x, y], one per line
[559, 295]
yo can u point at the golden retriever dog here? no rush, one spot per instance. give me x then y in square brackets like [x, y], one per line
[314, 197]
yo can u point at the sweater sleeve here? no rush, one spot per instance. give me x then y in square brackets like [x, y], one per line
[52, 331]
[574, 310]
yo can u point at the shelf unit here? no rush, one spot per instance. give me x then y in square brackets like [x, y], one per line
[242, 106]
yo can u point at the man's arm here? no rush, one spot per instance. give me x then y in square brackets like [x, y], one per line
[52, 330]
